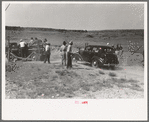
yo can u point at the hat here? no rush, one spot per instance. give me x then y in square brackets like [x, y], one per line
[71, 42]
[48, 43]
[21, 40]
[45, 40]
[64, 43]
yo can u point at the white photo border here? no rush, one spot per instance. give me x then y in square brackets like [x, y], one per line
[66, 109]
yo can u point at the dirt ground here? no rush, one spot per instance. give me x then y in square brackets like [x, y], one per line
[36, 80]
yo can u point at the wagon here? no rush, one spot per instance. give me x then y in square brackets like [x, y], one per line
[33, 52]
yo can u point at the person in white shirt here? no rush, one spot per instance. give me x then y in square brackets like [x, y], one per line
[69, 53]
[47, 53]
[22, 47]
[63, 50]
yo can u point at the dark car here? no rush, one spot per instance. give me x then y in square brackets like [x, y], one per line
[97, 55]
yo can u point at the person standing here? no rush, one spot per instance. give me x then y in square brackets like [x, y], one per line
[69, 53]
[45, 43]
[22, 47]
[120, 47]
[47, 53]
[120, 50]
[63, 50]
[31, 41]
[113, 46]
[117, 48]
[26, 50]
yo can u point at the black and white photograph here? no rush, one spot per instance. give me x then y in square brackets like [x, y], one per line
[76, 53]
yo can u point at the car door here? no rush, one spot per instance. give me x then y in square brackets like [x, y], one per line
[87, 54]
[95, 51]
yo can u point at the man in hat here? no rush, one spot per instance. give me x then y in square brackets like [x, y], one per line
[22, 47]
[69, 53]
[63, 50]
[47, 53]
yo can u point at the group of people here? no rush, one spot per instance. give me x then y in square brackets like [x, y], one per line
[118, 47]
[23, 46]
[66, 53]
[65, 50]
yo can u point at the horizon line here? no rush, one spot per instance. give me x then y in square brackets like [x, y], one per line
[69, 29]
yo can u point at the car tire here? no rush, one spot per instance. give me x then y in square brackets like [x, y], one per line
[95, 63]
[75, 58]
[33, 57]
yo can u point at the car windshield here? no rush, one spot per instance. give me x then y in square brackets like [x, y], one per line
[99, 49]
[95, 49]
[88, 48]
[108, 50]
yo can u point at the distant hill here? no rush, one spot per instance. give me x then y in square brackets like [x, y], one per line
[136, 31]
[132, 37]
[40, 29]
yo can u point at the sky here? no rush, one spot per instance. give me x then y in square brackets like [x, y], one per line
[76, 16]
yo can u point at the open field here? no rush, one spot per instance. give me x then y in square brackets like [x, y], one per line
[36, 80]
[133, 38]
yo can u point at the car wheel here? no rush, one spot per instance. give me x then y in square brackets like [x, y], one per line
[75, 58]
[33, 57]
[95, 63]
[15, 60]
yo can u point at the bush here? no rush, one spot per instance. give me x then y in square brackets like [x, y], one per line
[90, 36]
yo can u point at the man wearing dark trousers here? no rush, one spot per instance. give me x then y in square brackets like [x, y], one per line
[63, 50]
[47, 53]
[69, 53]
[22, 47]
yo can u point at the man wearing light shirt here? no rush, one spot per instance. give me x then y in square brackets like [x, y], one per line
[22, 47]
[63, 50]
[47, 53]
[69, 53]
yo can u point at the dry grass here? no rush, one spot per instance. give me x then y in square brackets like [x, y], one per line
[51, 81]
[101, 72]
[112, 74]
[32, 81]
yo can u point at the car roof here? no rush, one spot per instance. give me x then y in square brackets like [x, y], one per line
[98, 46]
